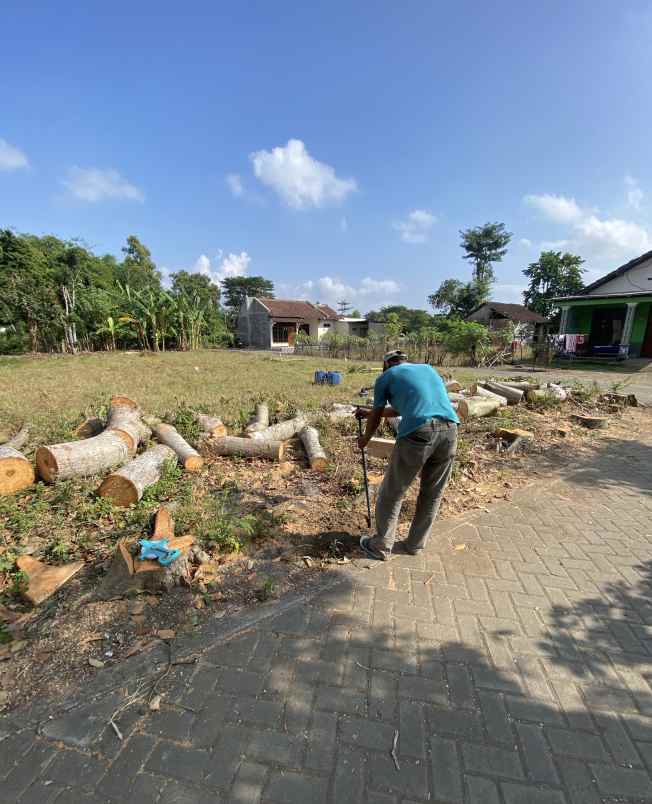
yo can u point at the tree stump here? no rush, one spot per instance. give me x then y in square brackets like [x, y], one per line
[260, 419]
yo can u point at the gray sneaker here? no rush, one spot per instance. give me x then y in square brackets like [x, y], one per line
[373, 552]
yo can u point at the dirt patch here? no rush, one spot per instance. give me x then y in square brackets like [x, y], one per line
[298, 526]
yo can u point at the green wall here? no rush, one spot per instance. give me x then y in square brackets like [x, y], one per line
[581, 313]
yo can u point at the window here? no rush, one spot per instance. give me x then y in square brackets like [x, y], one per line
[326, 325]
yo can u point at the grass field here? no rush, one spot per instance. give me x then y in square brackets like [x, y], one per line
[54, 393]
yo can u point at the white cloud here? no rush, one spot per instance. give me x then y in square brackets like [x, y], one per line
[234, 183]
[634, 193]
[525, 242]
[592, 237]
[556, 207]
[96, 184]
[299, 179]
[416, 227]
[384, 287]
[228, 265]
[11, 158]
[334, 288]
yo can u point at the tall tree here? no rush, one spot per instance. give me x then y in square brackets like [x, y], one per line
[235, 288]
[553, 274]
[457, 299]
[485, 245]
[343, 307]
[198, 285]
[137, 269]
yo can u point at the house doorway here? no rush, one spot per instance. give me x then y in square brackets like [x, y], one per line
[283, 332]
[607, 326]
[646, 348]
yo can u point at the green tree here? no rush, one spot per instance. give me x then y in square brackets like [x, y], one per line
[355, 313]
[457, 299]
[411, 319]
[553, 274]
[27, 290]
[393, 325]
[137, 269]
[198, 285]
[235, 289]
[485, 245]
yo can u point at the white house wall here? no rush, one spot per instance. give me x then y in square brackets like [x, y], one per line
[635, 280]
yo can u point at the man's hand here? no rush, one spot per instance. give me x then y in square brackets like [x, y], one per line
[362, 441]
[362, 413]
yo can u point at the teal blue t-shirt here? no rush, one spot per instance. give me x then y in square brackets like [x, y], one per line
[417, 392]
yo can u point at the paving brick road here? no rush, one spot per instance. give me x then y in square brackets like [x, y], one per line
[515, 671]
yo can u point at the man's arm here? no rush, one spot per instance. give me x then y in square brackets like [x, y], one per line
[373, 420]
[387, 412]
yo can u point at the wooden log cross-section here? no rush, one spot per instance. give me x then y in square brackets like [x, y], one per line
[247, 447]
[95, 455]
[281, 431]
[380, 447]
[260, 419]
[16, 472]
[127, 485]
[316, 455]
[188, 456]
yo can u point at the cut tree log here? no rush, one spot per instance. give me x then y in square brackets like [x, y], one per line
[90, 427]
[247, 447]
[188, 456]
[520, 385]
[281, 431]
[340, 411]
[537, 394]
[380, 447]
[455, 397]
[19, 440]
[316, 455]
[127, 485]
[621, 399]
[477, 390]
[211, 425]
[82, 458]
[512, 395]
[476, 406]
[454, 386]
[16, 472]
[260, 419]
[592, 422]
[125, 419]
[44, 580]
[511, 434]
[557, 391]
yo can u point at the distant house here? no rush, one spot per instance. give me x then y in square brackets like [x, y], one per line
[274, 323]
[497, 315]
[613, 314]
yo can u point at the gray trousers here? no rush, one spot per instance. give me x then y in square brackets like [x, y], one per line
[430, 451]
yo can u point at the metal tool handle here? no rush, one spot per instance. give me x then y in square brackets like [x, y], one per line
[366, 478]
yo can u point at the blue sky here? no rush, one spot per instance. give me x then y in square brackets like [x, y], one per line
[334, 148]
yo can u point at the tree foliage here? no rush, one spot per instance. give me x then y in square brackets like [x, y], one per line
[411, 319]
[553, 274]
[236, 288]
[485, 245]
[58, 295]
[457, 299]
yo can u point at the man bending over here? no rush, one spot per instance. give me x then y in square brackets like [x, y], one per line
[426, 444]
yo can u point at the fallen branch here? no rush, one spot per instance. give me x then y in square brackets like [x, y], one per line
[246, 447]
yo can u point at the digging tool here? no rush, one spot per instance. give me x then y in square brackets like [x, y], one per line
[366, 478]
